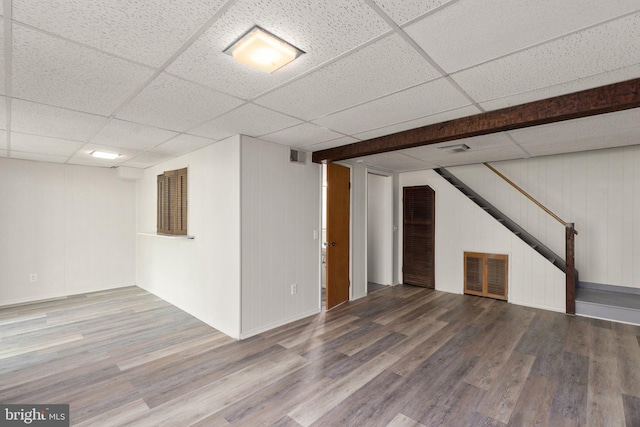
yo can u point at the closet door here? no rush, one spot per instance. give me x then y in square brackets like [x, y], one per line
[418, 236]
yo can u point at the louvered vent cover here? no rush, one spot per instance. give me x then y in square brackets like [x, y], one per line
[486, 274]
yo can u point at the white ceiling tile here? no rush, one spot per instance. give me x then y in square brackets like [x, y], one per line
[469, 110]
[83, 156]
[497, 154]
[175, 104]
[182, 144]
[45, 120]
[470, 32]
[435, 153]
[331, 144]
[394, 161]
[144, 31]
[3, 140]
[39, 157]
[607, 47]
[362, 76]
[147, 159]
[57, 72]
[323, 29]
[302, 135]
[250, 119]
[601, 79]
[427, 99]
[43, 144]
[590, 133]
[402, 11]
[120, 133]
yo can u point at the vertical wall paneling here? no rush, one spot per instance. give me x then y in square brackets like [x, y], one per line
[463, 226]
[56, 223]
[596, 190]
[379, 229]
[358, 231]
[280, 209]
[200, 276]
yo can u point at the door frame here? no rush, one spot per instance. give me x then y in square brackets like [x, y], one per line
[322, 213]
[392, 229]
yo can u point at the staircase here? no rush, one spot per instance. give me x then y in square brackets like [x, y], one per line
[537, 245]
[617, 303]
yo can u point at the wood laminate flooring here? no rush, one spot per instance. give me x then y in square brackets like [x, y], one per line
[403, 356]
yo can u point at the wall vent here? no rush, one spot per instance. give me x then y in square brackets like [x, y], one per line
[297, 156]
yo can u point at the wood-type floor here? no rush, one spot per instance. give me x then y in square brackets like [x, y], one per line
[403, 356]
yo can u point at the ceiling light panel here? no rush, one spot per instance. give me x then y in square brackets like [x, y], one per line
[260, 49]
[57, 72]
[352, 80]
[590, 52]
[104, 155]
[323, 29]
[143, 31]
[175, 104]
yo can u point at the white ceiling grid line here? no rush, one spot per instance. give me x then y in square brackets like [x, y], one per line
[149, 79]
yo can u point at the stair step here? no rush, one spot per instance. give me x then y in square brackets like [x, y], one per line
[602, 304]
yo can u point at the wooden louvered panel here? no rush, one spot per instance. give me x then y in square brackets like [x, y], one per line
[418, 236]
[172, 209]
[497, 276]
[486, 274]
[473, 273]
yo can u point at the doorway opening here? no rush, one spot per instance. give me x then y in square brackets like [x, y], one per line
[379, 231]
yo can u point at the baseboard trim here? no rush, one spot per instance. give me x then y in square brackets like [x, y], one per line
[253, 332]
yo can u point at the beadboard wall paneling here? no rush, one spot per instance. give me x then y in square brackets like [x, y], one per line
[462, 226]
[200, 276]
[280, 212]
[597, 190]
[73, 226]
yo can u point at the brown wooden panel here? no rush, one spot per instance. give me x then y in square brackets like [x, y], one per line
[473, 273]
[497, 275]
[570, 270]
[418, 236]
[337, 258]
[590, 102]
[486, 274]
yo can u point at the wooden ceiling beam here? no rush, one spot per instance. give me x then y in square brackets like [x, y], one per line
[604, 99]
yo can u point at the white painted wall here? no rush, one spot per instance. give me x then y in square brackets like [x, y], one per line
[379, 229]
[463, 226]
[358, 231]
[72, 225]
[597, 190]
[200, 276]
[280, 247]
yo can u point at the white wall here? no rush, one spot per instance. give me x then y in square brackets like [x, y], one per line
[280, 237]
[379, 229]
[200, 276]
[463, 226]
[598, 190]
[74, 226]
[358, 231]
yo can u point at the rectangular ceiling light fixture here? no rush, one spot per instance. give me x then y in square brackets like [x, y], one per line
[261, 49]
[104, 155]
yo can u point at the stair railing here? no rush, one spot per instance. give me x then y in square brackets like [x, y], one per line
[571, 276]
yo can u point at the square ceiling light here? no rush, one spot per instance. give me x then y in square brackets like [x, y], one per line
[261, 49]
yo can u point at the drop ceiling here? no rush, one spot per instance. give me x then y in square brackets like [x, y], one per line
[150, 81]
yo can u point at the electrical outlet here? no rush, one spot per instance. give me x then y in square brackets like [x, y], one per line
[33, 277]
[294, 289]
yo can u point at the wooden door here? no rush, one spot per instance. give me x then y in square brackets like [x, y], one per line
[337, 257]
[419, 207]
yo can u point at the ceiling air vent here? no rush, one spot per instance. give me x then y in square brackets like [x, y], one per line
[297, 156]
[457, 148]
